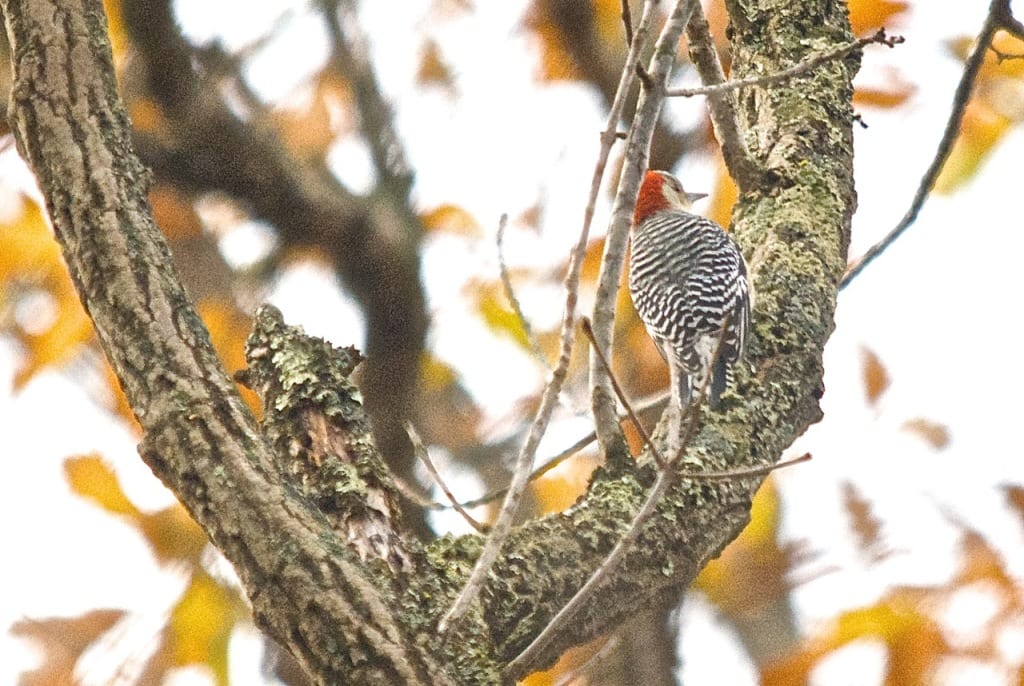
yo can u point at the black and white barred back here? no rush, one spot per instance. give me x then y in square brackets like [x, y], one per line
[688, 279]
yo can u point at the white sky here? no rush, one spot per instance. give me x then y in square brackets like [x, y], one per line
[937, 308]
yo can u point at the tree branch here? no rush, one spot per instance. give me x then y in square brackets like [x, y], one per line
[801, 67]
[638, 144]
[747, 173]
[524, 461]
[373, 242]
[199, 438]
[995, 19]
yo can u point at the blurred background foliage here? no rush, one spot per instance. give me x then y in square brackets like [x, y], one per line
[315, 186]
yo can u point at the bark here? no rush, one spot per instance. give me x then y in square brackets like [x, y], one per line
[373, 242]
[302, 506]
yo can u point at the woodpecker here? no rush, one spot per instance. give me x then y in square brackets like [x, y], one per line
[689, 285]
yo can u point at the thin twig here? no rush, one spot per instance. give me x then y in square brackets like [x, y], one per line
[536, 474]
[722, 104]
[421, 452]
[510, 294]
[998, 10]
[638, 144]
[642, 405]
[416, 497]
[627, 22]
[797, 69]
[589, 331]
[524, 462]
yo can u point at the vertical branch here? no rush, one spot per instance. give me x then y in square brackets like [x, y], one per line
[721, 104]
[524, 461]
[637, 149]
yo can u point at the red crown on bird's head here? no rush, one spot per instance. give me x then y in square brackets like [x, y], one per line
[661, 191]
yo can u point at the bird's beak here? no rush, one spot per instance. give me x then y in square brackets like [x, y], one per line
[694, 197]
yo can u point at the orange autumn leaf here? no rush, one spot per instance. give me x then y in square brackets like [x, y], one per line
[556, 63]
[592, 261]
[723, 197]
[62, 641]
[914, 643]
[875, 377]
[173, 535]
[882, 98]
[870, 15]
[934, 434]
[866, 526]
[147, 116]
[433, 71]
[170, 532]
[174, 213]
[116, 30]
[559, 489]
[1014, 496]
[450, 219]
[310, 127]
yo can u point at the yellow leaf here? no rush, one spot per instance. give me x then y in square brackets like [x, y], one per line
[498, 314]
[173, 535]
[750, 574]
[90, 477]
[451, 219]
[200, 625]
[981, 129]
[31, 261]
[876, 378]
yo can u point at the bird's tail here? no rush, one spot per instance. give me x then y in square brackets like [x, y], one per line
[719, 379]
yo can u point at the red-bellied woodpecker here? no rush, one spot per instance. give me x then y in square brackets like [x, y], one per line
[689, 286]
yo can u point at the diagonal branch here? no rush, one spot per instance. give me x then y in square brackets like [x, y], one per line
[998, 15]
[524, 461]
[374, 242]
[199, 437]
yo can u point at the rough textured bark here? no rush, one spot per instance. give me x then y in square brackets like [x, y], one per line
[374, 242]
[350, 614]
